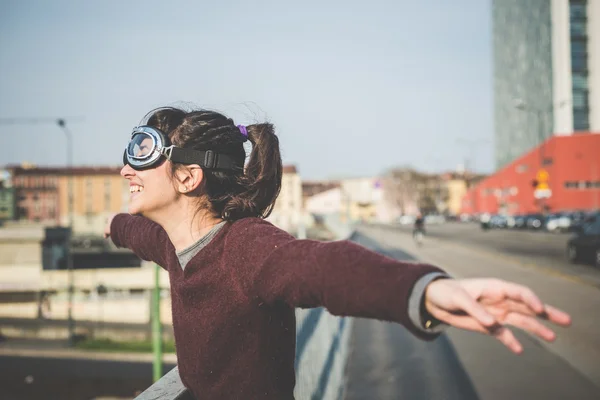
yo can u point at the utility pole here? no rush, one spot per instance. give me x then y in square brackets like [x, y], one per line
[71, 286]
[156, 327]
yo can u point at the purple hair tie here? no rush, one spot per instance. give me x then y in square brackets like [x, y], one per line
[243, 130]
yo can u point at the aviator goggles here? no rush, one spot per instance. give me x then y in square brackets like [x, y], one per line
[149, 145]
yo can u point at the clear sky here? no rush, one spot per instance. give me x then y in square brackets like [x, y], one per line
[353, 87]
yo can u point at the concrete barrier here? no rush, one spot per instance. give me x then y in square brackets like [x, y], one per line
[322, 345]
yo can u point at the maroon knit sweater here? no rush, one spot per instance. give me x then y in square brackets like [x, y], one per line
[233, 304]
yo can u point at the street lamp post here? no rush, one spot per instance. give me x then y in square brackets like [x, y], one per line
[71, 322]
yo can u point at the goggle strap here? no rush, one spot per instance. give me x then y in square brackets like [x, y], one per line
[204, 158]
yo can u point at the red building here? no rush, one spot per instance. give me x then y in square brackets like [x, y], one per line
[561, 174]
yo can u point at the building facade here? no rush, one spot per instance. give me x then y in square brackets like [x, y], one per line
[288, 210]
[546, 80]
[42, 195]
[563, 174]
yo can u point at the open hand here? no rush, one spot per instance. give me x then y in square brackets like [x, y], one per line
[107, 226]
[487, 305]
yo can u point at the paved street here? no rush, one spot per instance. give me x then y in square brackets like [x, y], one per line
[540, 250]
[387, 363]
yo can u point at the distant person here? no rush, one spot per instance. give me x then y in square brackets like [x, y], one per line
[236, 279]
[419, 225]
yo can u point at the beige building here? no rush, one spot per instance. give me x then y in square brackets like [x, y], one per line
[97, 193]
[357, 199]
[288, 210]
[456, 189]
[42, 195]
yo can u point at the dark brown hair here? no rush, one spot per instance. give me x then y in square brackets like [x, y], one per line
[230, 194]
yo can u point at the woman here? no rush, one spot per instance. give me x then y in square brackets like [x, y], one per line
[197, 210]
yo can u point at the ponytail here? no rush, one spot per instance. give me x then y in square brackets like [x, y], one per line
[260, 184]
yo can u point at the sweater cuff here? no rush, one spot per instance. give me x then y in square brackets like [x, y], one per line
[415, 300]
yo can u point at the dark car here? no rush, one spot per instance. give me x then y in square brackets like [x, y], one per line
[584, 246]
[535, 221]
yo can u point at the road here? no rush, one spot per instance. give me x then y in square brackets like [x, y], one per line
[387, 363]
[540, 249]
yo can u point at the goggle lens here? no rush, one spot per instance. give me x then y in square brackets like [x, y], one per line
[141, 145]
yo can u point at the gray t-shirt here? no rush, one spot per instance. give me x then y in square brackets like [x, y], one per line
[186, 255]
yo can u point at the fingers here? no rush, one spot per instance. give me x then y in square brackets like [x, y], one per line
[556, 316]
[507, 338]
[530, 299]
[522, 293]
[467, 322]
[475, 310]
[531, 325]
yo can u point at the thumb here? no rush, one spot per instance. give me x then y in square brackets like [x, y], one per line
[475, 310]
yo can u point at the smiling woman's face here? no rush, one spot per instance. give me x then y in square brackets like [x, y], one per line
[151, 191]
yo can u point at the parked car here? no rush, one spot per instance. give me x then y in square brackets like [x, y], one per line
[535, 221]
[584, 246]
[578, 218]
[558, 222]
[520, 222]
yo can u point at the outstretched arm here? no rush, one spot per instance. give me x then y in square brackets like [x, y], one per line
[344, 277]
[145, 238]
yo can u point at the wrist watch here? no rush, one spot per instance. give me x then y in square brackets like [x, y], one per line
[428, 321]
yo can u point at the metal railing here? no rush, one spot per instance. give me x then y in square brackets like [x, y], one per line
[169, 387]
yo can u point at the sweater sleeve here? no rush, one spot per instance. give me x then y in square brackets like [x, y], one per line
[145, 238]
[342, 276]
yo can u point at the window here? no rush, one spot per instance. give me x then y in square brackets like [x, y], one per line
[547, 161]
[107, 190]
[579, 63]
[577, 12]
[578, 29]
[522, 168]
[571, 185]
[580, 99]
[581, 120]
[88, 195]
[578, 47]
[580, 82]
[593, 228]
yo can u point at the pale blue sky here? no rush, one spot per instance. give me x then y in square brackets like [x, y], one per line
[353, 87]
